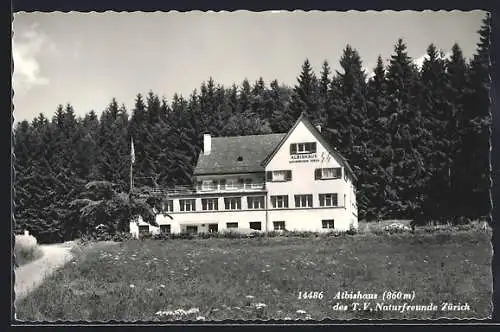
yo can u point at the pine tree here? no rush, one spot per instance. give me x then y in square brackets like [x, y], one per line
[436, 143]
[377, 187]
[281, 118]
[456, 71]
[323, 88]
[405, 128]
[305, 94]
[477, 117]
[347, 120]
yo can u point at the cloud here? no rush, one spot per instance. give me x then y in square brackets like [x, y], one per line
[27, 47]
[420, 60]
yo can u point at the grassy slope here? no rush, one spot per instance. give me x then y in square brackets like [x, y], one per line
[216, 275]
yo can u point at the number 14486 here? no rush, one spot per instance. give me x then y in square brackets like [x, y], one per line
[310, 295]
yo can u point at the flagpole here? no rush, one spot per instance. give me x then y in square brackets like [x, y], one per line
[132, 160]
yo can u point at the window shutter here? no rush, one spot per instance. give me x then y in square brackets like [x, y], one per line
[317, 173]
[313, 147]
[269, 175]
[222, 184]
[293, 148]
[289, 175]
[285, 201]
[338, 172]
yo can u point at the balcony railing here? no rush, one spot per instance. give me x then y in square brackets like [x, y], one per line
[190, 189]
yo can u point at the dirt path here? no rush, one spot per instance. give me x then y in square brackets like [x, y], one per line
[31, 275]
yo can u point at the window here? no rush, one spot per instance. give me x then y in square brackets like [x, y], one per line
[279, 201]
[248, 183]
[279, 225]
[330, 224]
[232, 225]
[327, 173]
[297, 148]
[278, 176]
[192, 229]
[256, 225]
[213, 228]
[345, 176]
[165, 229]
[208, 185]
[303, 200]
[328, 200]
[231, 184]
[187, 205]
[255, 202]
[209, 204]
[222, 184]
[168, 206]
[143, 229]
[232, 203]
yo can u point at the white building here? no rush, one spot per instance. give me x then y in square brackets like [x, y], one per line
[292, 181]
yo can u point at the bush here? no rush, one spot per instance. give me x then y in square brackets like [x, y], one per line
[26, 249]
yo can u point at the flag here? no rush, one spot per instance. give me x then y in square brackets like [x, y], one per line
[132, 151]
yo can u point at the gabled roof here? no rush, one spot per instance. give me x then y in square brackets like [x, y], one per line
[226, 151]
[246, 154]
[302, 118]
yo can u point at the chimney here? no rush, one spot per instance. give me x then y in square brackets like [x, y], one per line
[207, 144]
[318, 126]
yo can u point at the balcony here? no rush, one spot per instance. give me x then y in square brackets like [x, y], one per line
[192, 190]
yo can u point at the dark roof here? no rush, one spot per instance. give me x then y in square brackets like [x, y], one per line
[340, 158]
[226, 151]
[255, 151]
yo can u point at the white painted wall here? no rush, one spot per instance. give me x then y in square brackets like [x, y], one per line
[304, 182]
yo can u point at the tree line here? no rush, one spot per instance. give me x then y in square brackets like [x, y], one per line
[417, 138]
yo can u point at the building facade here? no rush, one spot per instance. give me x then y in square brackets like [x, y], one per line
[293, 181]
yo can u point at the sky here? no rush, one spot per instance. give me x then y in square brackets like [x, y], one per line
[86, 59]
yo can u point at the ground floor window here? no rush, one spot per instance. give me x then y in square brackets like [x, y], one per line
[143, 229]
[165, 229]
[232, 225]
[329, 224]
[192, 229]
[256, 225]
[279, 225]
[213, 228]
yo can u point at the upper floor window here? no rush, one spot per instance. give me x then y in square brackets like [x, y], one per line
[232, 203]
[208, 185]
[297, 148]
[255, 202]
[327, 173]
[279, 176]
[303, 200]
[168, 206]
[328, 200]
[187, 205]
[209, 204]
[280, 201]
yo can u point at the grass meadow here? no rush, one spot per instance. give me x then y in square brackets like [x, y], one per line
[260, 278]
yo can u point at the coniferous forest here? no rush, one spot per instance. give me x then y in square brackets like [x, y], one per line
[417, 138]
